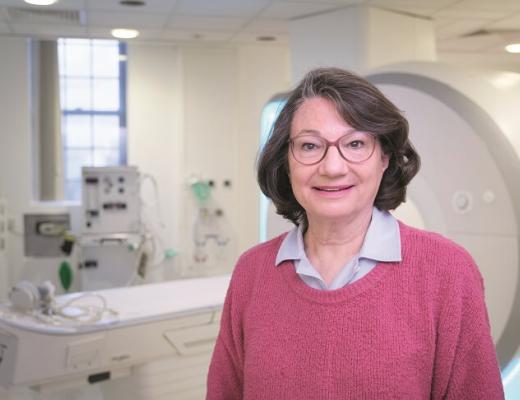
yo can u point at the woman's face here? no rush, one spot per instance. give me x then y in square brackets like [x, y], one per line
[333, 188]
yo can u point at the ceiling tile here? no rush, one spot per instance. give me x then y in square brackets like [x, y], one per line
[267, 26]
[120, 19]
[4, 28]
[227, 8]
[471, 13]
[334, 2]
[441, 22]
[179, 22]
[202, 36]
[101, 33]
[49, 30]
[506, 23]
[509, 5]
[3, 14]
[508, 37]
[433, 4]
[419, 11]
[294, 10]
[246, 37]
[459, 28]
[408, 9]
[163, 6]
[470, 44]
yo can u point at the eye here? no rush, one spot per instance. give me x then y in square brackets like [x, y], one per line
[356, 141]
[356, 144]
[306, 144]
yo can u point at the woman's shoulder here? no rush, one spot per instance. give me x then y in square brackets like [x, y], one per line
[430, 242]
[436, 252]
[268, 247]
[446, 264]
[253, 267]
[259, 256]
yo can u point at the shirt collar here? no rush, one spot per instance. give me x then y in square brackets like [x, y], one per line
[290, 248]
[382, 241]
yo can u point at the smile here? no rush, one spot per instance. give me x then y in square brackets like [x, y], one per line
[332, 189]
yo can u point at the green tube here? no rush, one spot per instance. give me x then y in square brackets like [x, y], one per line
[66, 275]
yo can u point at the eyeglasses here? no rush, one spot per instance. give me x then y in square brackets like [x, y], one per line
[355, 147]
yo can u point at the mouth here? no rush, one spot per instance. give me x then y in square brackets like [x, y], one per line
[332, 189]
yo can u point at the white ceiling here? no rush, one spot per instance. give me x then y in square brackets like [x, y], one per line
[482, 26]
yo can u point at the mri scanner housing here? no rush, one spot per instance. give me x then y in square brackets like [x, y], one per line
[463, 125]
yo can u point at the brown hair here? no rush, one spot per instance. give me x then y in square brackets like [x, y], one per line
[363, 107]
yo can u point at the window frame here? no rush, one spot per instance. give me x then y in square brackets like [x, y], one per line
[121, 113]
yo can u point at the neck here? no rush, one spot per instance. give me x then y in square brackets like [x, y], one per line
[329, 245]
[337, 233]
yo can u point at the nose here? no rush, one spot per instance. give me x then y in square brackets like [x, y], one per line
[333, 164]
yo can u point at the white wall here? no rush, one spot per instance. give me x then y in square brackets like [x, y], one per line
[359, 38]
[263, 72]
[154, 127]
[15, 141]
[210, 131]
[394, 37]
[195, 112]
[15, 117]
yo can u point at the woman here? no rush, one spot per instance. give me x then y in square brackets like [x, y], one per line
[351, 304]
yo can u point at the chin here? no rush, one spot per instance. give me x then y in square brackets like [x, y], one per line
[332, 216]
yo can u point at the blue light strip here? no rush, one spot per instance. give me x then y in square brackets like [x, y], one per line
[511, 379]
[269, 114]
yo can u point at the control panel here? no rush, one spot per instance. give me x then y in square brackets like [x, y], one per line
[111, 200]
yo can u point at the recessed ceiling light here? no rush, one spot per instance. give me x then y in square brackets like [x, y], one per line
[124, 33]
[266, 38]
[41, 2]
[513, 48]
[132, 3]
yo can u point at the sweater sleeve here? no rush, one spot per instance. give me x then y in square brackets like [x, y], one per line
[476, 374]
[225, 376]
[466, 366]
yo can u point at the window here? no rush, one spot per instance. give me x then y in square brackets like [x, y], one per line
[93, 107]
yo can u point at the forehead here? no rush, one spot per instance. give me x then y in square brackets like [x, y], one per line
[318, 114]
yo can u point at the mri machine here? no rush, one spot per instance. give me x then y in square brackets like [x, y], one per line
[466, 127]
[463, 125]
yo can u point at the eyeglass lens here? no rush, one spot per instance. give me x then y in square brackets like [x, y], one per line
[354, 147]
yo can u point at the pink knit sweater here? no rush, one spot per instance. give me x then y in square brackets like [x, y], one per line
[417, 329]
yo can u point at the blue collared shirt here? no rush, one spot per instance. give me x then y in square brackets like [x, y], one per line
[382, 244]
